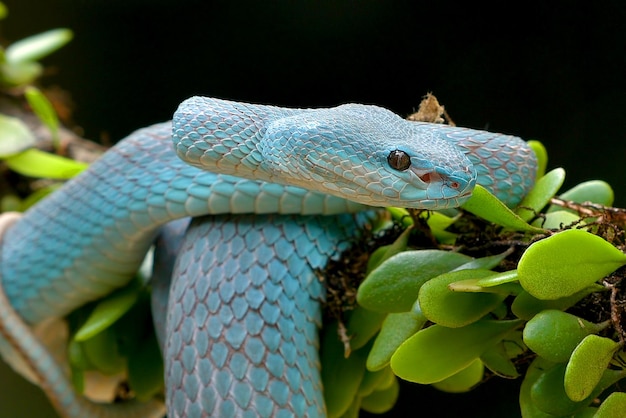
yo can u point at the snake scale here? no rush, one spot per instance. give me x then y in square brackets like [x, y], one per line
[273, 193]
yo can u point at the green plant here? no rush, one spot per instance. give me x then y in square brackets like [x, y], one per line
[113, 335]
[530, 292]
[19, 70]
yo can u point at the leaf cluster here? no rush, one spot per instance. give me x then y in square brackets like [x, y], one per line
[445, 317]
[19, 71]
[113, 336]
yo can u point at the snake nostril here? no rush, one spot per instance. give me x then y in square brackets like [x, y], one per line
[455, 184]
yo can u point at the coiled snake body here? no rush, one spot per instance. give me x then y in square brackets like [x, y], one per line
[274, 192]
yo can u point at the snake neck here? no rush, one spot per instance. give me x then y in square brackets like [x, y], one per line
[90, 236]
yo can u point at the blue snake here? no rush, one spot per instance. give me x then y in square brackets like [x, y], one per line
[273, 194]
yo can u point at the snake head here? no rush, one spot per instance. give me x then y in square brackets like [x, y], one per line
[369, 155]
[432, 183]
[362, 153]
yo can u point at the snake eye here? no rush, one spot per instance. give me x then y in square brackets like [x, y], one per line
[399, 160]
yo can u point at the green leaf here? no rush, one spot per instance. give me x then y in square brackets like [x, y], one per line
[44, 111]
[586, 412]
[393, 286]
[554, 335]
[375, 380]
[525, 306]
[4, 12]
[386, 251]
[19, 73]
[464, 380]
[362, 325]
[396, 329]
[498, 281]
[544, 190]
[341, 376]
[15, 136]
[542, 156]
[109, 310]
[438, 222]
[436, 353]
[535, 371]
[102, 352]
[498, 361]
[487, 262]
[401, 216]
[594, 191]
[38, 195]
[353, 409]
[587, 365]
[381, 401]
[613, 406]
[557, 220]
[567, 262]
[485, 205]
[78, 364]
[145, 369]
[548, 392]
[10, 203]
[456, 309]
[500, 312]
[37, 46]
[36, 163]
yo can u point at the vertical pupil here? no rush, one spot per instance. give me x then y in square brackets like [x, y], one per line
[399, 160]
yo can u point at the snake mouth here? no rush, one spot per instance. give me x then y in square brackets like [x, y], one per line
[445, 185]
[422, 187]
[435, 189]
[425, 177]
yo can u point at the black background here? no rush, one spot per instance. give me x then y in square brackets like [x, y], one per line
[551, 71]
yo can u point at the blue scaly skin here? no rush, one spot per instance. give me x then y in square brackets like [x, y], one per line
[243, 312]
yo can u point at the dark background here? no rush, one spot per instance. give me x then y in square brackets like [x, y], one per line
[551, 71]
